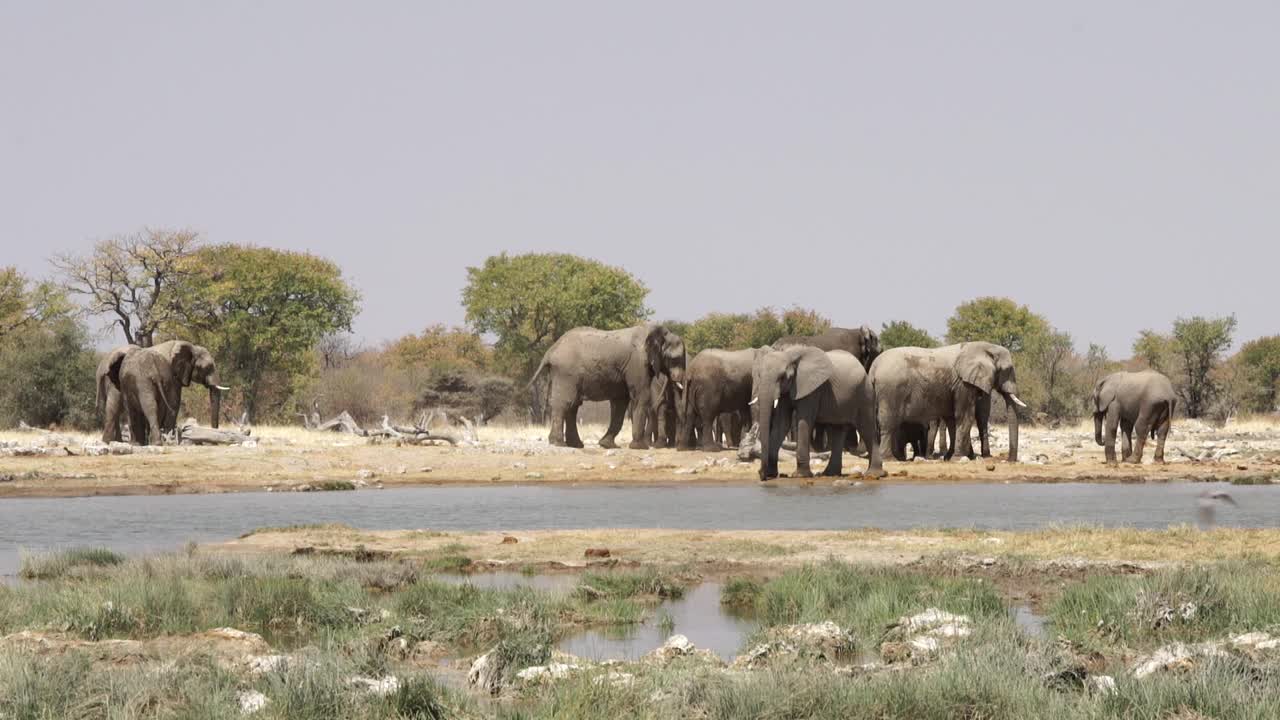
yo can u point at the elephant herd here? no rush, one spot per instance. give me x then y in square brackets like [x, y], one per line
[828, 390]
[143, 386]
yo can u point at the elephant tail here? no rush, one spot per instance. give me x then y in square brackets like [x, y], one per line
[543, 365]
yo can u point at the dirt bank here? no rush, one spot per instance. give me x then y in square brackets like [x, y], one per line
[286, 459]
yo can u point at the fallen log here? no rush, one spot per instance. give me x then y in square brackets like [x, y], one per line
[192, 434]
[342, 423]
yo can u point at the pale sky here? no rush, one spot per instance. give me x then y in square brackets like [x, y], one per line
[1111, 164]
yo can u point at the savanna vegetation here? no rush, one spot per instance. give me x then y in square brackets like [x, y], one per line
[279, 324]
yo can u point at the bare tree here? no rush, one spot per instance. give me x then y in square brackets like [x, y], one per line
[132, 279]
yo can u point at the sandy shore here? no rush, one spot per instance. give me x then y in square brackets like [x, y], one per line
[287, 459]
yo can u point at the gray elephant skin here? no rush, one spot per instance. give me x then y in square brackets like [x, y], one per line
[812, 388]
[110, 404]
[614, 365]
[862, 342]
[1141, 402]
[666, 404]
[718, 385]
[951, 384]
[150, 382]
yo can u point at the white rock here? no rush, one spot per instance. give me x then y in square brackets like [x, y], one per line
[545, 673]
[484, 675]
[1166, 657]
[263, 664]
[533, 475]
[616, 679]
[251, 701]
[1101, 684]
[366, 474]
[924, 644]
[377, 686]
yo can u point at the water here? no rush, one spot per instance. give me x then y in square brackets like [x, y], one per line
[698, 616]
[165, 522]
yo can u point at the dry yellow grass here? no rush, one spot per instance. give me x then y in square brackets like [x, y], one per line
[769, 548]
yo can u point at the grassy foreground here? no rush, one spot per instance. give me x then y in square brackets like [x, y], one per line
[95, 635]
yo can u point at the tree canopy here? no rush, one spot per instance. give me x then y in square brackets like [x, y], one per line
[262, 312]
[736, 331]
[134, 280]
[528, 301]
[441, 347]
[998, 320]
[900, 333]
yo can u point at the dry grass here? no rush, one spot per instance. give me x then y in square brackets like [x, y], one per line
[768, 548]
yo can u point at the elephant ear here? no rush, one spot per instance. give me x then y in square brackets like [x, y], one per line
[114, 363]
[870, 343]
[182, 359]
[653, 342]
[1103, 395]
[976, 367]
[813, 368]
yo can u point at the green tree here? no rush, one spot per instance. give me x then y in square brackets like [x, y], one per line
[1156, 351]
[736, 331]
[716, 330]
[998, 320]
[900, 333]
[1051, 360]
[261, 312]
[439, 347]
[24, 303]
[1199, 343]
[528, 301]
[1260, 359]
[47, 375]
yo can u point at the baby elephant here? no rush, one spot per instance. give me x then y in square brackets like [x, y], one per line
[1142, 401]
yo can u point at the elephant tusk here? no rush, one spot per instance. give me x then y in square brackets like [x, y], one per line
[680, 387]
[1016, 401]
[754, 400]
[223, 388]
[775, 403]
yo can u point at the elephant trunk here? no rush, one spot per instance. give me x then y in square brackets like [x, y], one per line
[766, 408]
[215, 403]
[1011, 401]
[1097, 428]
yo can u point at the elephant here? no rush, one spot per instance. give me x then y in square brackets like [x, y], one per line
[718, 384]
[814, 388]
[1143, 401]
[110, 404]
[665, 407]
[728, 428]
[952, 384]
[614, 365]
[862, 342]
[150, 382]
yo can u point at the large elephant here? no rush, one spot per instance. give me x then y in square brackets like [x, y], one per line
[951, 384]
[718, 383]
[862, 342]
[110, 404]
[614, 365]
[1143, 401]
[150, 382]
[812, 388]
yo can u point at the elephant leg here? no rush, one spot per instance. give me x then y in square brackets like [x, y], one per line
[835, 441]
[982, 411]
[558, 404]
[931, 439]
[571, 436]
[710, 441]
[1142, 428]
[617, 413]
[866, 427]
[1162, 432]
[951, 436]
[1112, 422]
[964, 437]
[640, 424]
[1126, 440]
[111, 420]
[804, 439]
[735, 429]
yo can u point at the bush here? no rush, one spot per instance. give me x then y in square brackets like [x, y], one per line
[47, 377]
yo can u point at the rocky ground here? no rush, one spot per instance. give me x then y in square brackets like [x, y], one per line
[37, 463]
